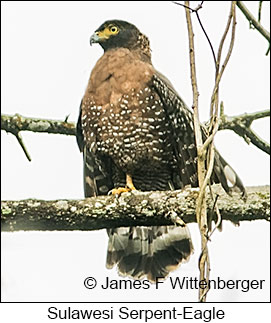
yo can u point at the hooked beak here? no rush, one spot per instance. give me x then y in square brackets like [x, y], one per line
[94, 39]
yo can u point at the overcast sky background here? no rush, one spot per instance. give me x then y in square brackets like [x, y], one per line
[46, 62]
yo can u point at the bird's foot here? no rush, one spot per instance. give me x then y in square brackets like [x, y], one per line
[118, 191]
[128, 188]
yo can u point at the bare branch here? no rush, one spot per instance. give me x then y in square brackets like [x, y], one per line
[200, 23]
[220, 47]
[241, 126]
[18, 123]
[9, 123]
[130, 209]
[248, 118]
[203, 175]
[219, 73]
[253, 20]
[201, 208]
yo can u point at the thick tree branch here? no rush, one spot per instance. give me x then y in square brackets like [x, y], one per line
[131, 209]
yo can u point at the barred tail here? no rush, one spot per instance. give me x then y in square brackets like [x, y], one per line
[148, 251]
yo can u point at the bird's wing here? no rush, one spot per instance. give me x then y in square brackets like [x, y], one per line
[181, 120]
[97, 168]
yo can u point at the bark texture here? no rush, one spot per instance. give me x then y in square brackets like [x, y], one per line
[130, 209]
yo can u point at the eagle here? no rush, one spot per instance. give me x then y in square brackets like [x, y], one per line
[136, 133]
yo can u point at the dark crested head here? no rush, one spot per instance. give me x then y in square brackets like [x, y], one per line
[118, 33]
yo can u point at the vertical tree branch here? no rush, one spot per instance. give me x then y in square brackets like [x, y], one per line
[214, 113]
[207, 148]
[213, 128]
[201, 204]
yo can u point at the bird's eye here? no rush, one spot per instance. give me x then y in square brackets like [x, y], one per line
[114, 30]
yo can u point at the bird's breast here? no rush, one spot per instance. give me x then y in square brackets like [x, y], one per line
[124, 115]
[134, 131]
[115, 74]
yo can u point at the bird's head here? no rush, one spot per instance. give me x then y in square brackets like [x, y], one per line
[118, 33]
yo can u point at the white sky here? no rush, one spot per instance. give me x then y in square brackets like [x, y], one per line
[46, 61]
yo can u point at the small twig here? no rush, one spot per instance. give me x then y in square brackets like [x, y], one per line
[260, 11]
[219, 53]
[187, 7]
[219, 73]
[200, 23]
[183, 5]
[253, 20]
[268, 50]
[9, 126]
[67, 117]
[208, 39]
[20, 141]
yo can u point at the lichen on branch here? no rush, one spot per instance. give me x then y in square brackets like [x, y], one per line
[130, 209]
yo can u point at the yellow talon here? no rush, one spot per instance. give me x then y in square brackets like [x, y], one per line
[129, 187]
[120, 190]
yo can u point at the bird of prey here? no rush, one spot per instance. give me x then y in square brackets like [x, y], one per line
[136, 132]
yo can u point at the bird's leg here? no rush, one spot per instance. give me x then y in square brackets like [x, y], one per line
[129, 186]
[129, 182]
